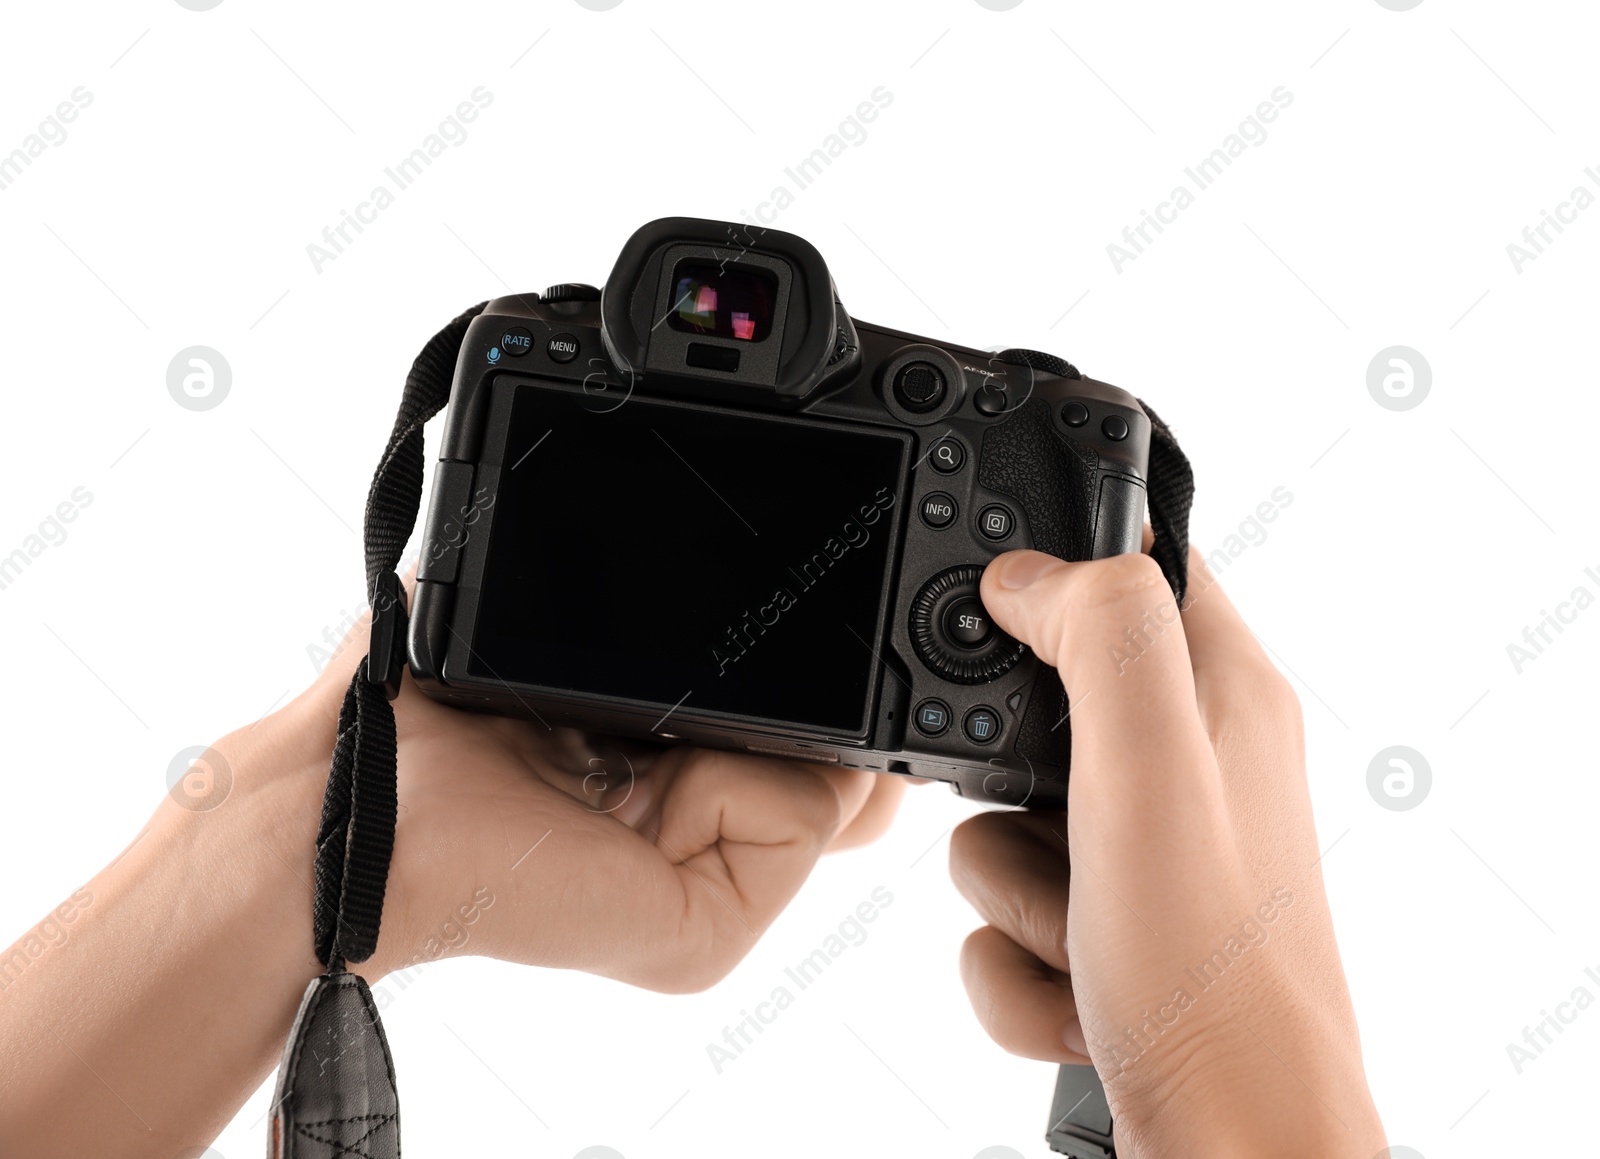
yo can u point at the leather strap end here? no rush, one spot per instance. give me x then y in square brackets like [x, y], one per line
[336, 1091]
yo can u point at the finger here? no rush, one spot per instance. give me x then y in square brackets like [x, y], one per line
[1251, 713]
[877, 814]
[1012, 868]
[1142, 763]
[1112, 629]
[854, 787]
[1224, 653]
[1024, 1004]
[741, 834]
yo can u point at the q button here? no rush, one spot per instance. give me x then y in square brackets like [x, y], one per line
[947, 456]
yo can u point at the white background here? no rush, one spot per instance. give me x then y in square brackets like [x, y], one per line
[1418, 545]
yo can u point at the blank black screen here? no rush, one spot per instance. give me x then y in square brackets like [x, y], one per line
[668, 554]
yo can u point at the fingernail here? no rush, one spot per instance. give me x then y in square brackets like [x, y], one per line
[1024, 568]
[1072, 1038]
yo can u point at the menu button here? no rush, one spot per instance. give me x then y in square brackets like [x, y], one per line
[562, 348]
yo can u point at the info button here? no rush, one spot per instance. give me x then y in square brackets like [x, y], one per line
[938, 510]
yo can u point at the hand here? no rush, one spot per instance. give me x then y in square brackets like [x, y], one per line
[657, 868]
[509, 843]
[1189, 953]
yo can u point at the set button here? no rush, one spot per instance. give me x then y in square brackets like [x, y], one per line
[938, 510]
[968, 624]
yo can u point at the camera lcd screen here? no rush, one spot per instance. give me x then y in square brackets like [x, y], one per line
[722, 301]
[693, 559]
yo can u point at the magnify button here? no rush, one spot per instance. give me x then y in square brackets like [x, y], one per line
[947, 456]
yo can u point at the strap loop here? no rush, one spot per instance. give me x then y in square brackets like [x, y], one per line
[348, 1106]
[1170, 489]
[1169, 482]
[386, 644]
[356, 836]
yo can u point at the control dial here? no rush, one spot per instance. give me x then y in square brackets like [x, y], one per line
[572, 292]
[954, 634]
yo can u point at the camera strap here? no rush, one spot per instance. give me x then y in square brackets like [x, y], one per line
[336, 1092]
[1169, 482]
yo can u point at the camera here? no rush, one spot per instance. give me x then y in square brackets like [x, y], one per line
[704, 505]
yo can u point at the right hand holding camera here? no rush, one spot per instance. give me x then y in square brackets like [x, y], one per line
[1190, 955]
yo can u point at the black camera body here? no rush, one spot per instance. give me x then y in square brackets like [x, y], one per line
[707, 506]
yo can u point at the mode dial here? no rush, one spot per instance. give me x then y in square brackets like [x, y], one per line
[572, 292]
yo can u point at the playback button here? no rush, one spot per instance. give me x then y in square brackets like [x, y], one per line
[932, 717]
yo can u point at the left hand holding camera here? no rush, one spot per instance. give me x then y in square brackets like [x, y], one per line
[513, 841]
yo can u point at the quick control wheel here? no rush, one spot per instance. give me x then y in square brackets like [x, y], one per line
[954, 634]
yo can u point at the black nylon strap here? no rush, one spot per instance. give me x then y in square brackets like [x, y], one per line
[356, 835]
[347, 1104]
[1169, 481]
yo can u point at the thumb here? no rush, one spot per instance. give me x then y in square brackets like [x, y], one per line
[1112, 629]
[1100, 619]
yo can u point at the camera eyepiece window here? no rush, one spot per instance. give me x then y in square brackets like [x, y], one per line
[715, 412]
[729, 301]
